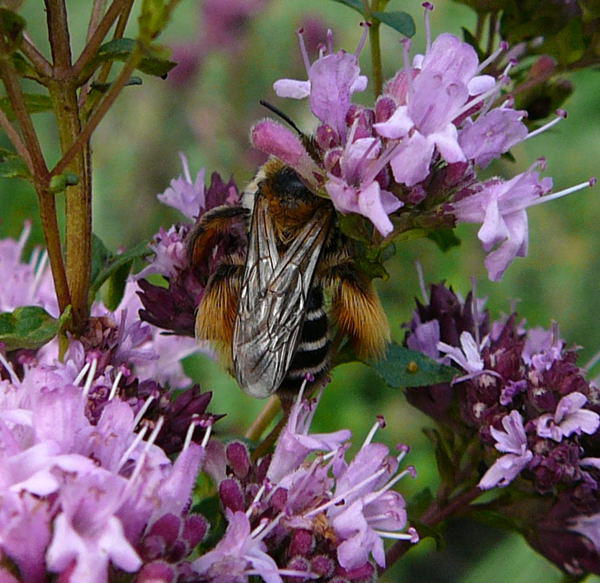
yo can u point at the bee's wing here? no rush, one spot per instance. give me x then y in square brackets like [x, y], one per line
[272, 300]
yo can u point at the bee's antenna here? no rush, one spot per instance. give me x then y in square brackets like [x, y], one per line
[282, 115]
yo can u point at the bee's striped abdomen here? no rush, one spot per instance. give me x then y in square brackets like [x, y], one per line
[312, 353]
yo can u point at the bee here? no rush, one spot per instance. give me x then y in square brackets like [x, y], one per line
[264, 306]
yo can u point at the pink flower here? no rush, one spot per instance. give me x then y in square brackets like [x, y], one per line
[501, 207]
[513, 441]
[570, 417]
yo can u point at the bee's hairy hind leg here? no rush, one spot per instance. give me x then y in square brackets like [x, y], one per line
[215, 318]
[355, 306]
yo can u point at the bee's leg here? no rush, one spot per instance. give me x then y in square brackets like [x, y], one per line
[213, 227]
[355, 306]
[215, 318]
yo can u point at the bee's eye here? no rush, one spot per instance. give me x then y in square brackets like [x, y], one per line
[288, 185]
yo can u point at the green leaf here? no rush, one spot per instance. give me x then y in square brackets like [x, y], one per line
[105, 264]
[399, 21]
[29, 327]
[120, 49]
[403, 368]
[12, 165]
[11, 28]
[356, 227]
[34, 103]
[116, 286]
[100, 257]
[104, 87]
[354, 4]
[444, 238]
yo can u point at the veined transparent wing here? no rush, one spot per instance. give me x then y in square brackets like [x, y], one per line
[273, 299]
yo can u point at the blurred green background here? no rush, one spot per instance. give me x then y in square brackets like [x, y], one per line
[209, 117]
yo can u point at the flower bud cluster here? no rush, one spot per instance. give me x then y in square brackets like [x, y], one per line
[304, 512]
[534, 412]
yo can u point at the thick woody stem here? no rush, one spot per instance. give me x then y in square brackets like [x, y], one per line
[78, 235]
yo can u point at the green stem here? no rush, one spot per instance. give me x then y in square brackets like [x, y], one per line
[99, 34]
[377, 70]
[78, 210]
[78, 234]
[270, 410]
[28, 146]
[99, 113]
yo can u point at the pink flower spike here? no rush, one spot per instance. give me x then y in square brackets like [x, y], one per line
[274, 139]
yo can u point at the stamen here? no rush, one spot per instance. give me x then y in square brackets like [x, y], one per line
[393, 535]
[345, 495]
[422, 286]
[482, 96]
[11, 371]
[377, 494]
[39, 271]
[475, 309]
[254, 502]
[81, 374]
[143, 410]
[206, 437]
[428, 6]
[90, 377]
[303, 50]
[561, 193]
[555, 332]
[189, 435]
[330, 41]
[186, 169]
[159, 423]
[376, 426]
[363, 39]
[23, 237]
[590, 363]
[501, 48]
[406, 44]
[138, 437]
[560, 113]
[115, 385]
[140, 461]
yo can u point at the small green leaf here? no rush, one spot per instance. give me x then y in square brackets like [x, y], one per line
[116, 286]
[354, 4]
[121, 48]
[104, 87]
[102, 269]
[60, 182]
[100, 257]
[399, 21]
[12, 166]
[403, 368]
[34, 102]
[11, 28]
[29, 327]
[444, 238]
[356, 227]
